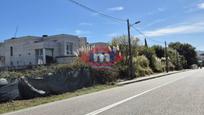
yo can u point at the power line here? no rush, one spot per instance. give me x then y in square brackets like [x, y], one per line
[156, 41]
[97, 12]
[139, 31]
[111, 17]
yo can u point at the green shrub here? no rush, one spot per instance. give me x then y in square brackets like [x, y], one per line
[159, 50]
[104, 76]
[141, 64]
[11, 74]
[122, 69]
[41, 71]
[170, 64]
[157, 65]
[98, 76]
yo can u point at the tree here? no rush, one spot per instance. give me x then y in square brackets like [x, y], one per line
[154, 63]
[122, 42]
[159, 50]
[187, 50]
[174, 57]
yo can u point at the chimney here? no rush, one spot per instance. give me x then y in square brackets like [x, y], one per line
[44, 36]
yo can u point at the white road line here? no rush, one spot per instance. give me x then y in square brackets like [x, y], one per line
[96, 112]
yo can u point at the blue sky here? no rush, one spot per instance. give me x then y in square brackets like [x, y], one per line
[170, 20]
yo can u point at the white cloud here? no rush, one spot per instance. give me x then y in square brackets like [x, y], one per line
[113, 35]
[118, 8]
[161, 9]
[158, 10]
[194, 7]
[180, 29]
[154, 22]
[85, 24]
[82, 32]
[201, 5]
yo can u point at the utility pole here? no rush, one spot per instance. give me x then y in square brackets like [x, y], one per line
[146, 45]
[177, 60]
[130, 64]
[167, 62]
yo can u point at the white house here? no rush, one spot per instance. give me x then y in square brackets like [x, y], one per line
[34, 50]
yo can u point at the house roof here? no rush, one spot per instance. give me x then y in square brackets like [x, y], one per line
[40, 37]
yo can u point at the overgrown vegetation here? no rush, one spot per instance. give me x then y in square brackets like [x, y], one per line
[41, 71]
[141, 64]
[148, 60]
[187, 51]
[98, 76]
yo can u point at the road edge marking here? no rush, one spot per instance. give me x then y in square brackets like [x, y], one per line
[96, 112]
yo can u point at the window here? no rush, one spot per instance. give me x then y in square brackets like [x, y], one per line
[11, 51]
[11, 63]
[39, 56]
[39, 52]
[69, 48]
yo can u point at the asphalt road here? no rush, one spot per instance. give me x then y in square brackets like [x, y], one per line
[177, 94]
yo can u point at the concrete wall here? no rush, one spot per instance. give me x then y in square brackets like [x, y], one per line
[65, 60]
[23, 52]
[2, 58]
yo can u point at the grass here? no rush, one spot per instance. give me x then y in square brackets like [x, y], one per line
[21, 104]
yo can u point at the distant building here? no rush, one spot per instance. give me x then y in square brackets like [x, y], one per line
[34, 50]
[98, 43]
[200, 55]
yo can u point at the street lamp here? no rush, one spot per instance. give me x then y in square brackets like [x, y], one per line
[130, 49]
[135, 23]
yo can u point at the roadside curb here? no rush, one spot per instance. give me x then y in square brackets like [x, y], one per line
[147, 78]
